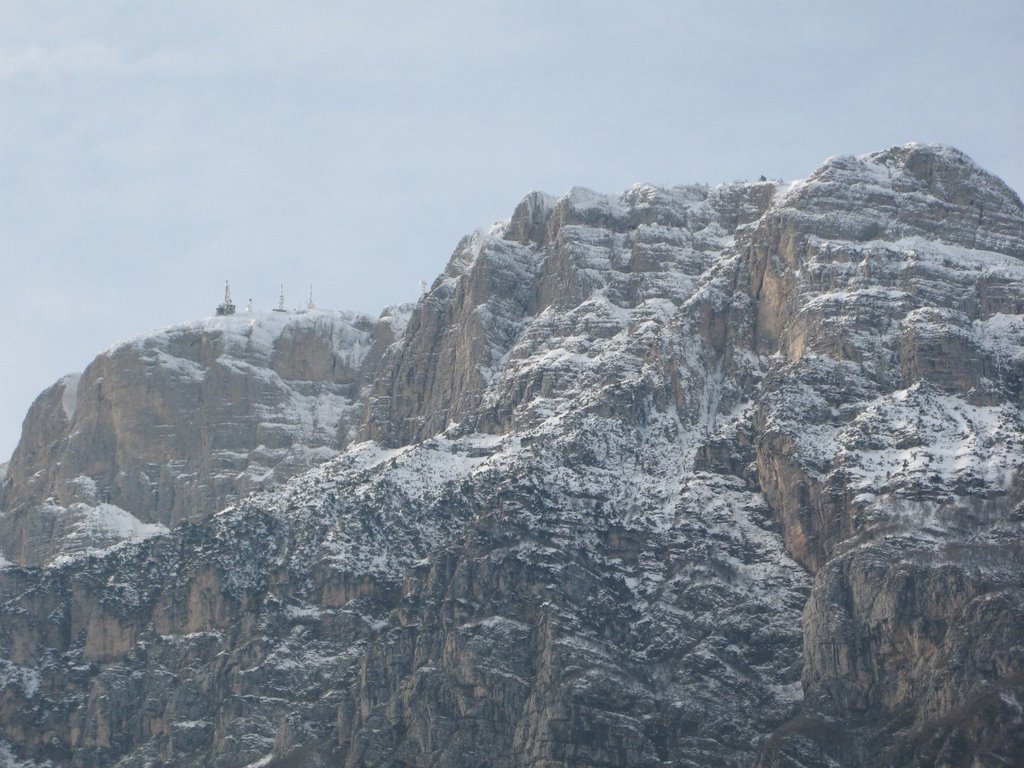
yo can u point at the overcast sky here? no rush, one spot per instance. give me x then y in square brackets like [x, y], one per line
[150, 150]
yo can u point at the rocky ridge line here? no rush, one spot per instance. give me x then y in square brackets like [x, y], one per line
[624, 443]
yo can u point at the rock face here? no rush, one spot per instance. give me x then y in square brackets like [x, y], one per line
[175, 425]
[681, 477]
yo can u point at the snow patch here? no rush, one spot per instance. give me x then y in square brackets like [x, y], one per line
[8, 759]
[25, 678]
[254, 335]
[303, 611]
[96, 529]
[110, 520]
[69, 396]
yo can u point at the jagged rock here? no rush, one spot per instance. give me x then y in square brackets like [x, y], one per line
[680, 477]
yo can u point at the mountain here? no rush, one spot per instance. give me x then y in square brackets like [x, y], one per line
[681, 477]
[176, 424]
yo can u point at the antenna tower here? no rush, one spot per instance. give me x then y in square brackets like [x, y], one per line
[227, 308]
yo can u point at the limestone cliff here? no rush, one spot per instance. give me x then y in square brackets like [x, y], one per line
[696, 476]
[176, 424]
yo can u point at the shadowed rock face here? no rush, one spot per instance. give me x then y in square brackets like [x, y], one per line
[680, 477]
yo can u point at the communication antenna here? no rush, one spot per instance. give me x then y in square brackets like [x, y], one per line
[280, 301]
[227, 308]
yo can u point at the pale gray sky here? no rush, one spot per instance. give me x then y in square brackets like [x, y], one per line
[148, 150]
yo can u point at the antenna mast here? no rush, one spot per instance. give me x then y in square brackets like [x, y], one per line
[227, 308]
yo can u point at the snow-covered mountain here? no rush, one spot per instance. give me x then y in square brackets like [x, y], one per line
[682, 477]
[176, 424]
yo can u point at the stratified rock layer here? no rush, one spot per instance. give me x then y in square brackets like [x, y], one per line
[681, 477]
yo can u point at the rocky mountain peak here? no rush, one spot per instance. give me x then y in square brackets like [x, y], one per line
[174, 424]
[529, 221]
[683, 476]
[925, 190]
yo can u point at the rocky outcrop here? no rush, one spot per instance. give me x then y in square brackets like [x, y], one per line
[470, 354]
[680, 477]
[175, 425]
[888, 446]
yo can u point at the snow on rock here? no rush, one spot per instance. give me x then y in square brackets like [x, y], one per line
[92, 528]
[69, 399]
[680, 476]
[25, 678]
[177, 423]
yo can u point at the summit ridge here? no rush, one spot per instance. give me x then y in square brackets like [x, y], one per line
[693, 476]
